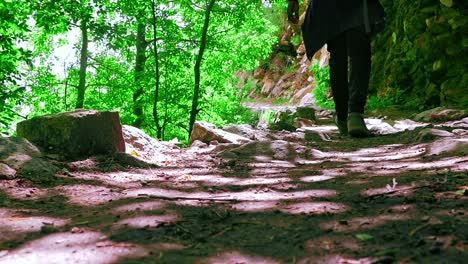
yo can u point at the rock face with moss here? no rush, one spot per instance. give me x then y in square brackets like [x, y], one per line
[419, 60]
[421, 57]
[75, 134]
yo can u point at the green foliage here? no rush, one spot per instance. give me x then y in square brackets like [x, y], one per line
[290, 68]
[268, 117]
[296, 40]
[421, 48]
[241, 33]
[375, 103]
[322, 80]
[14, 58]
[249, 86]
[9, 111]
[276, 14]
[226, 109]
[13, 29]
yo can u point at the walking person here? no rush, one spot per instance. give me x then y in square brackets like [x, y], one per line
[346, 26]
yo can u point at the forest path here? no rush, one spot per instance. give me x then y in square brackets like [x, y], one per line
[400, 197]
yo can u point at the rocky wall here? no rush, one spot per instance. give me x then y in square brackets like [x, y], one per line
[421, 57]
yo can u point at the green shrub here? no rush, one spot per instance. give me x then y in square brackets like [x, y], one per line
[296, 40]
[375, 103]
[267, 117]
[322, 80]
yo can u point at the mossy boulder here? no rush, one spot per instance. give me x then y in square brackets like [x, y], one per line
[307, 112]
[422, 53]
[19, 157]
[441, 114]
[75, 134]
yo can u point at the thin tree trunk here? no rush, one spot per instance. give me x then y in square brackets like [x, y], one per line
[166, 105]
[83, 64]
[196, 89]
[139, 71]
[65, 95]
[156, 73]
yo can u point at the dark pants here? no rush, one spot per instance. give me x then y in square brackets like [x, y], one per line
[350, 96]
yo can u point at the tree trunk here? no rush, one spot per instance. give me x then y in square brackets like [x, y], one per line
[139, 71]
[65, 95]
[196, 89]
[156, 73]
[83, 64]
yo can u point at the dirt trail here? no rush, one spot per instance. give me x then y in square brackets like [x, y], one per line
[397, 198]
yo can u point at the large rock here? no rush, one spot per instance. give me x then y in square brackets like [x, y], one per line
[290, 120]
[268, 86]
[75, 134]
[16, 152]
[246, 131]
[284, 120]
[206, 132]
[141, 145]
[307, 112]
[308, 99]
[9, 145]
[441, 114]
[19, 157]
[299, 95]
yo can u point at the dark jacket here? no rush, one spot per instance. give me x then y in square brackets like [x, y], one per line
[325, 19]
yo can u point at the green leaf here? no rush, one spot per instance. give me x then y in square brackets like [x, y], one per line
[364, 237]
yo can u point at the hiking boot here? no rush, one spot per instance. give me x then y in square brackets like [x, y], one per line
[342, 125]
[357, 126]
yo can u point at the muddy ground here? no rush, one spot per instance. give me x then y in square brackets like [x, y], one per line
[395, 198]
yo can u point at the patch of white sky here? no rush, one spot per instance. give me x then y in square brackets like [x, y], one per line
[267, 3]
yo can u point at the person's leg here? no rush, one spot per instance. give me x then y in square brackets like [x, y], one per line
[359, 51]
[339, 75]
[360, 59]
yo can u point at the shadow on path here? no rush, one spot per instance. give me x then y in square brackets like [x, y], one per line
[380, 200]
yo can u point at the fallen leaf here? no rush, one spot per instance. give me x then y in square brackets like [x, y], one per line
[364, 237]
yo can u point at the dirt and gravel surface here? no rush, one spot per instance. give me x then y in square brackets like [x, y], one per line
[293, 198]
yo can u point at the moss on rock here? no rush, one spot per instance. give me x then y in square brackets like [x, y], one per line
[422, 54]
